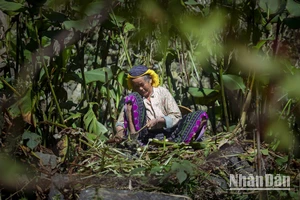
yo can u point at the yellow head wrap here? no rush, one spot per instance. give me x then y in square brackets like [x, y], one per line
[154, 77]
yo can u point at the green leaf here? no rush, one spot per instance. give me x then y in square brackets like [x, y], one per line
[264, 152]
[204, 96]
[233, 82]
[66, 53]
[91, 123]
[28, 55]
[9, 6]
[137, 170]
[55, 17]
[198, 145]
[14, 110]
[203, 92]
[281, 161]
[1, 85]
[293, 7]
[94, 8]
[34, 139]
[88, 117]
[156, 169]
[294, 195]
[128, 27]
[181, 176]
[270, 6]
[121, 77]
[260, 44]
[79, 25]
[175, 166]
[24, 106]
[74, 116]
[117, 20]
[97, 75]
[45, 41]
[191, 2]
[188, 166]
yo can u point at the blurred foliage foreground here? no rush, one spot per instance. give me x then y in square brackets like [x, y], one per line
[63, 71]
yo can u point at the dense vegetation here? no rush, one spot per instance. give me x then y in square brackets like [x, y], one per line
[63, 75]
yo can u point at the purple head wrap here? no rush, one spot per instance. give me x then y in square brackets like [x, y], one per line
[138, 70]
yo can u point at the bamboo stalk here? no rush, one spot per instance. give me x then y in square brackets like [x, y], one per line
[122, 40]
[224, 98]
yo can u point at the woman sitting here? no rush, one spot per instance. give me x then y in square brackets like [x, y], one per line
[151, 112]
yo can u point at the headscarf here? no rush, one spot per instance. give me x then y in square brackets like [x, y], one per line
[139, 71]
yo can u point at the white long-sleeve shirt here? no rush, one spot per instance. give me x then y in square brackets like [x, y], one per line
[161, 104]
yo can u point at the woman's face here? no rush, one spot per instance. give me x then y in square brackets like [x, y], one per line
[143, 86]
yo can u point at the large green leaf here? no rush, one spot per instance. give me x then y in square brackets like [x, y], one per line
[203, 92]
[55, 17]
[270, 6]
[117, 20]
[293, 7]
[23, 106]
[233, 82]
[191, 2]
[79, 25]
[204, 96]
[94, 8]
[97, 75]
[92, 124]
[9, 6]
[33, 139]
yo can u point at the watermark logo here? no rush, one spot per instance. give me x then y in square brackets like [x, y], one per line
[266, 182]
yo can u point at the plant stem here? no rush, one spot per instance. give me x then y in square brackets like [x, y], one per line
[53, 92]
[122, 40]
[194, 66]
[48, 77]
[11, 87]
[224, 98]
[81, 56]
[108, 100]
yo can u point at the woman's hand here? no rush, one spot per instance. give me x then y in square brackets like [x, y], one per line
[118, 138]
[154, 122]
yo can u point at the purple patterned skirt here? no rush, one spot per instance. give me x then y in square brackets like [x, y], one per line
[190, 128]
[138, 113]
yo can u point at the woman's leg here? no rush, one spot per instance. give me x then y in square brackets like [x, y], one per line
[135, 114]
[191, 127]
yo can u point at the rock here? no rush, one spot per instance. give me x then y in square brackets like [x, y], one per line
[109, 193]
[226, 161]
